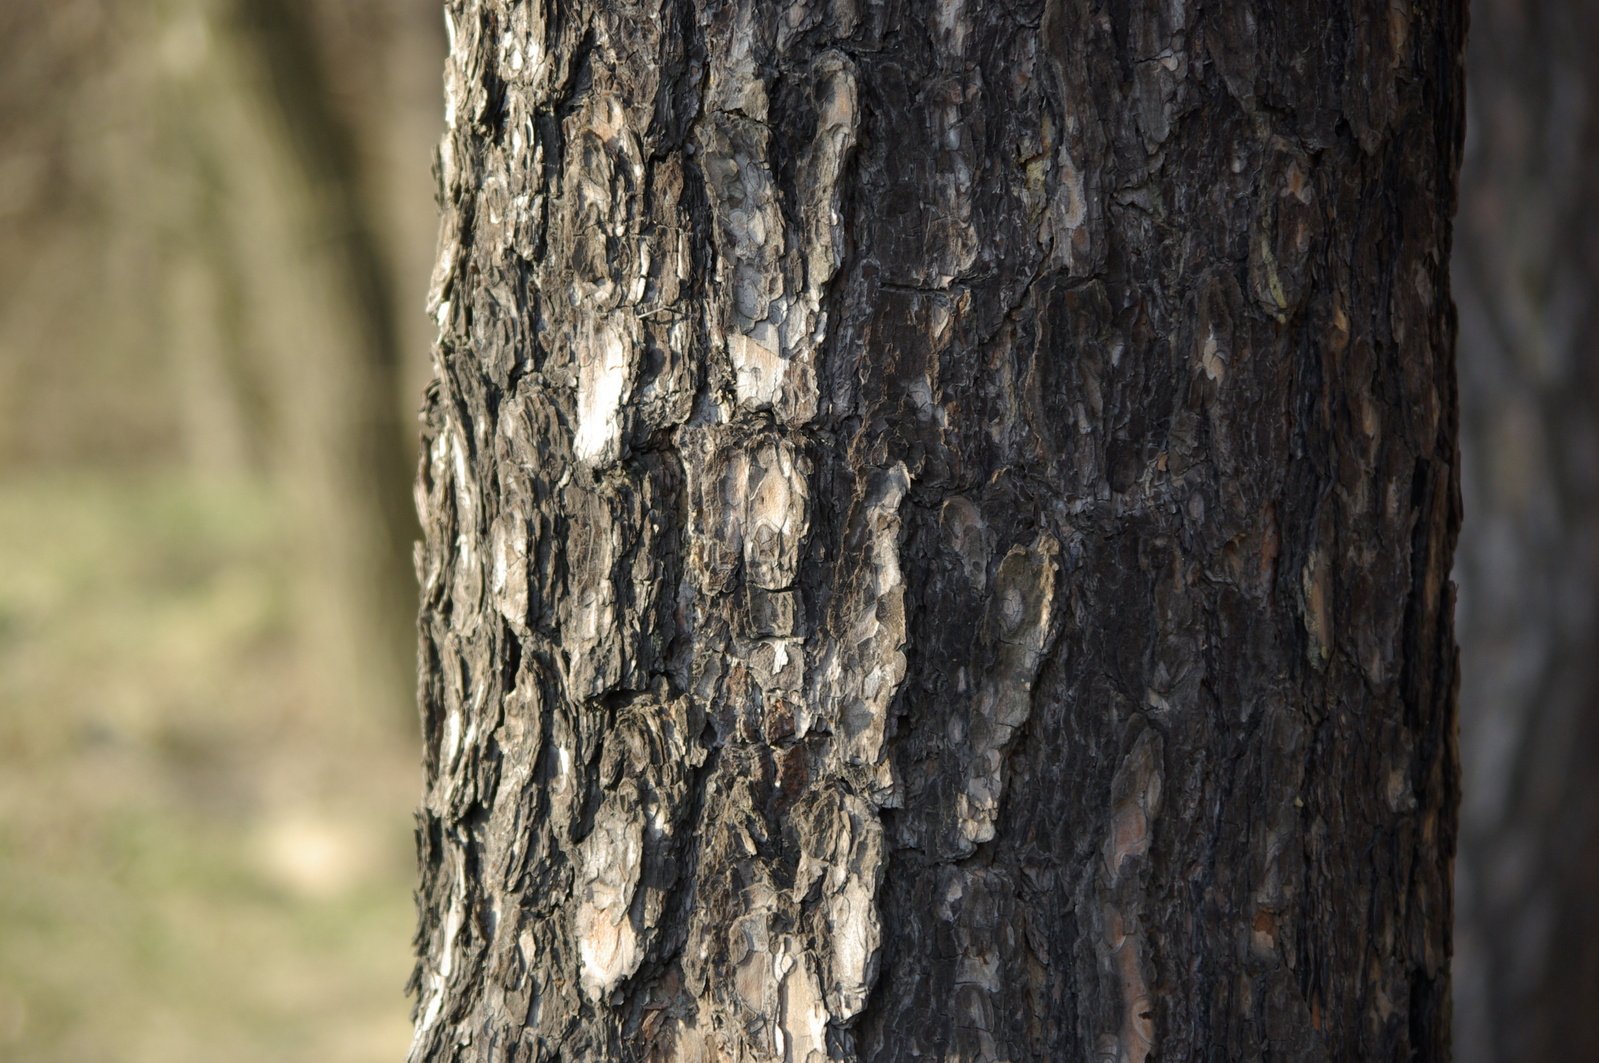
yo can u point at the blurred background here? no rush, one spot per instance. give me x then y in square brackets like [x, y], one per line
[216, 228]
[1526, 280]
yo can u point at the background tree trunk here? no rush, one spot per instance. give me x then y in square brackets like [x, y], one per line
[281, 322]
[342, 438]
[1529, 561]
[938, 524]
[202, 263]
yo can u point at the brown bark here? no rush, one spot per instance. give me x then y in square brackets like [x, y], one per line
[938, 522]
[1529, 560]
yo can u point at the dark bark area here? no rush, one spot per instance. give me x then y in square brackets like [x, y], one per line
[938, 524]
[1529, 557]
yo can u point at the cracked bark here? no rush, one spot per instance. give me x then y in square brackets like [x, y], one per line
[938, 522]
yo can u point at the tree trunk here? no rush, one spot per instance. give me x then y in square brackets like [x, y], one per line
[1529, 559]
[938, 525]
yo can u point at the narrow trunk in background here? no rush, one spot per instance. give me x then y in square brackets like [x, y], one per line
[1527, 968]
[349, 448]
[938, 525]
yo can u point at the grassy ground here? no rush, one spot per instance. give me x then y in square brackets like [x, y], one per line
[201, 857]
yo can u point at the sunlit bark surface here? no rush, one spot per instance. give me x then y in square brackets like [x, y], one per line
[938, 524]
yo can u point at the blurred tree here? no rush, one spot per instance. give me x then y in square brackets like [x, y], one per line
[207, 208]
[75, 332]
[206, 227]
[284, 303]
[1526, 270]
[338, 394]
[937, 533]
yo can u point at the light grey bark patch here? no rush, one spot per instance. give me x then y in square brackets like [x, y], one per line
[604, 385]
[627, 865]
[774, 273]
[970, 537]
[1015, 634]
[509, 541]
[843, 864]
[776, 499]
[607, 868]
[838, 121]
[863, 662]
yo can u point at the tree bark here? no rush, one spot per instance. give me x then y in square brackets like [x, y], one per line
[1529, 557]
[938, 528]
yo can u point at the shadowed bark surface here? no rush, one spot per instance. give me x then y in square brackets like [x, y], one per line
[938, 522]
[1527, 967]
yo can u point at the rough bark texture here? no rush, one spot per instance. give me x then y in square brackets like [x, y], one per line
[938, 525]
[1527, 969]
